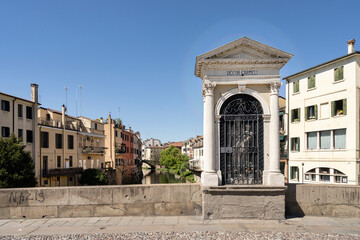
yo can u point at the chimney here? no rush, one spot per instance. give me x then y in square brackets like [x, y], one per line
[351, 44]
[63, 115]
[34, 93]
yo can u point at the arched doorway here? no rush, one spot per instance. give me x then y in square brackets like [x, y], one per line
[241, 140]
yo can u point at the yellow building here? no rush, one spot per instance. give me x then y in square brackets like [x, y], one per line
[18, 116]
[58, 154]
[113, 142]
[91, 142]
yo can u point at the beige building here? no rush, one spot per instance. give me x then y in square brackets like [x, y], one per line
[113, 142]
[91, 142]
[323, 105]
[58, 156]
[19, 116]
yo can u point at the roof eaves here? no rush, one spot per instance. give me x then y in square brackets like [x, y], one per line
[321, 65]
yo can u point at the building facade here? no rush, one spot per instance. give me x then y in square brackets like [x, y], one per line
[323, 105]
[150, 142]
[19, 116]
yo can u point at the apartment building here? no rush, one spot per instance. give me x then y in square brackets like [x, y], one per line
[323, 105]
[58, 156]
[150, 142]
[18, 116]
[91, 142]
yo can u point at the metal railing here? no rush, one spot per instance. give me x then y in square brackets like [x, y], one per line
[61, 171]
[92, 149]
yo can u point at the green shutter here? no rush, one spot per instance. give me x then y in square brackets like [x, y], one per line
[299, 114]
[344, 106]
[311, 82]
[292, 144]
[296, 87]
[316, 112]
[306, 113]
[339, 73]
[298, 144]
[333, 108]
[292, 115]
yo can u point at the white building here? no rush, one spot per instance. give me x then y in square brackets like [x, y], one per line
[323, 106]
[150, 142]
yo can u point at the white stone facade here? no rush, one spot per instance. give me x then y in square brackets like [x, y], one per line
[241, 67]
[324, 137]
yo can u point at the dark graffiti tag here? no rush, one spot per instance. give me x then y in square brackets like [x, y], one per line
[20, 197]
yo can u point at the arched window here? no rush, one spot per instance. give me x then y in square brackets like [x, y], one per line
[325, 175]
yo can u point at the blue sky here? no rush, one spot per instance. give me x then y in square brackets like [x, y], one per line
[139, 56]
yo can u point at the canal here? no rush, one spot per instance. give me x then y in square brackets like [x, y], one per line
[157, 176]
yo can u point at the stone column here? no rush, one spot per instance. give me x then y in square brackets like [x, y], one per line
[208, 175]
[272, 174]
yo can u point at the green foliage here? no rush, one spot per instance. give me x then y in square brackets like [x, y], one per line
[172, 159]
[17, 169]
[118, 121]
[93, 176]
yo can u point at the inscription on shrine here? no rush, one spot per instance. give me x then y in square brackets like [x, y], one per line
[242, 73]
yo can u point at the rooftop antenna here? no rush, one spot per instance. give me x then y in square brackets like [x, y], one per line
[80, 97]
[76, 97]
[66, 93]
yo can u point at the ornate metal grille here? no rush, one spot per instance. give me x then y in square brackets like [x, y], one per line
[241, 140]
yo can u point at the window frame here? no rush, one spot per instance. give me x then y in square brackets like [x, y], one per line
[29, 136]
[295, 144]
[310, 79]
[293, 119]
[5, 132]
[336, 112]
[58, 141]
[44, 139]
[29, 112]
[335, 75]
[296, 86]
[70, 141]
[315, 112]
[20, 111]
[5, 105]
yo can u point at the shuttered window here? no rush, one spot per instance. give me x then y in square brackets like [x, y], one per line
[296, 87]
[339, 73]
[295, 115]
[311, 82]
[339, 107]
[295, 144]
[311, 112]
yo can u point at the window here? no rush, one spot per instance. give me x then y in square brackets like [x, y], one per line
[325, 139]
[20, 133]
[29, 136]
[116, 133]
[70, 142]
[28, 112]
[20, 110]
[324, 110]
[5, 132]
[338, 107]
[44, 139]
[296, 87]
[311, 112]
[70, 161]
[96, 126]
[339, 73]
[45, 182]
[311, 82]
[295, 144]
[340, 139]
[312, 140]
[295, 115]
[59, 161]
[58, 140]
[45, 165]
[294, 173]
[5, 105]
[47, 117]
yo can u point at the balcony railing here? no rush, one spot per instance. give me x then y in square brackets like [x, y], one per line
[196, 164]
[61, 172]
[93, 150]
[70, 125]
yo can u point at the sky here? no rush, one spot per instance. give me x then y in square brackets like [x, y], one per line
[135, 59]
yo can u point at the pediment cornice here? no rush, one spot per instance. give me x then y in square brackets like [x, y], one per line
[242, 51]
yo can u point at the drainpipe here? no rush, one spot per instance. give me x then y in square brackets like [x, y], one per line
[63, 119]
[287, 127]
[40, 154]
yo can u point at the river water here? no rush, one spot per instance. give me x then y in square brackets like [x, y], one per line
[157, 176]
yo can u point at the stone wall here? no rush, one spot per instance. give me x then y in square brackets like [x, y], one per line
[134, 200]
[247, 201]
[323, 200]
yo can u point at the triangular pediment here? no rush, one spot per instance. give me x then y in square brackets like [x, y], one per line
[243, 50]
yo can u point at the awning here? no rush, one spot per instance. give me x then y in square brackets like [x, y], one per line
[282, 138]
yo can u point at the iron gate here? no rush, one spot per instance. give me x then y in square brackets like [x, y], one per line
[241, 140]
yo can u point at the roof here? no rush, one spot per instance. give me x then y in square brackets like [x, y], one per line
[55, 111]
[322, 65]
[17, 98]
[177, 144]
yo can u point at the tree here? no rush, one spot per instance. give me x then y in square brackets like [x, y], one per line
[17, 168]
[173, 159]
[93, 176]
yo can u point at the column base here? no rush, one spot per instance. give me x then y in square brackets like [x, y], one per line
[273, 178]
[209, 179]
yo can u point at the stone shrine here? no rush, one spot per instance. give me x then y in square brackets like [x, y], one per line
[241, 84]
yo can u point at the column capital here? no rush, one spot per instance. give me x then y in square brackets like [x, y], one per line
[274, 87]
[208, 88]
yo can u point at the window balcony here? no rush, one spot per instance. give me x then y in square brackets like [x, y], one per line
[61, 172]
[93, 150]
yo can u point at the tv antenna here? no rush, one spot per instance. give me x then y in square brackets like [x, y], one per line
[80, 97]
[66, 93]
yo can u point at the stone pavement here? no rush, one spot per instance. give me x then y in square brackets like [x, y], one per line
[99, 227]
